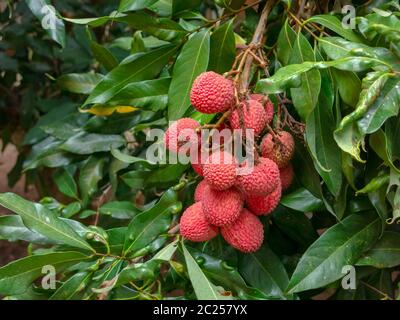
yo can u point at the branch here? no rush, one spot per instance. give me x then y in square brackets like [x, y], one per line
[255, 42]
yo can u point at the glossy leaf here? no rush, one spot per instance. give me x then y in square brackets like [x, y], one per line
[16, 277]
[222, 48]
[88, 143]
[305, 97]
[79, 82]
[66, 183]
[142, 66]
[12, 229]
[265, 271]
[334, 24]
[71, 287]
[285, 43]
[148, 225]
[192, 60]
[103, 56]
[340, 245]
[204, 289]
[90, 175]
[49, 17]
[385, 253]
[302, 200]
[43, 221]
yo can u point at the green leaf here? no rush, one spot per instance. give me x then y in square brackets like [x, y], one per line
[296, 226]
[338, 48]
[119, 209]
[264, 270]
[142, 89]
[16, 277]
[90, 175]
[66, 183]
[43, 221]
[203, 288]
[302, 200]
[334, 24]
[182, 5]
[133, 5]
[148, 225]
[49, 18]
[290, 76]
[72, 286]
[12, 229]
[220, 272]
[347, 135]
[349, 86]
[141, 66]
[305, 97]
[79, 82]
[375, 184]
[192, 60]
[88, 143]
[385, 253]
[285, 43]
[340, 245]
[222, 48]
[319, 135]
[385, 106]
[103, 56]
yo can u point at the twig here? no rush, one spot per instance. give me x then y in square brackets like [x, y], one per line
[255, 42]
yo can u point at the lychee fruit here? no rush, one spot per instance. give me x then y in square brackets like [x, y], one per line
[251, 114]
[219, 170]
[199, 191]
[194, 226]
[268, 105]
[212, 93]
[287, 175]
[222, 207]
[279, 151]
[264, 205]
[181, 132]
[261, 180]
[245, 234]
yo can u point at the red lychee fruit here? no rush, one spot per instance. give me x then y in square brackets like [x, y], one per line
[264, 205]
[219, 170]
[261, 180]
[252, 114]
[279, 151]
[181, 132]
[212, 93]
[199, 191]
[193, 225]
[222, 207]
[245, 234]
[268, 105]
[287, 175]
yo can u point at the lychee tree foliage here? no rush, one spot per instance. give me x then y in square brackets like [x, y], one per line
[112, 232]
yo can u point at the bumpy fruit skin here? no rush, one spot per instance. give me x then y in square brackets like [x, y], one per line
[194, 226]
[268, 105]
[264, 205]
[222, 207]
[246, 234]
[212, 93]
[200, 190]
[219, 170]
[281, 153]
[287, 175]
[262, 180]
[180, 132]
[253, 115]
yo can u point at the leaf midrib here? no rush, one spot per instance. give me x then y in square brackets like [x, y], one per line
[334, 252]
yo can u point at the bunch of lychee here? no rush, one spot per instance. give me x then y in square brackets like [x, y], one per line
[227, 202]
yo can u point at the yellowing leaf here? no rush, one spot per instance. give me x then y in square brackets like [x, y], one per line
[103, 110]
